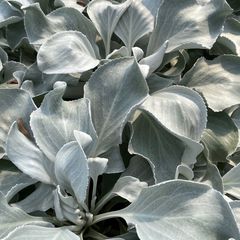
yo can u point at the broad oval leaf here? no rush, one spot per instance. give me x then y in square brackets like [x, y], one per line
[113, 99]
[105, 16]
[181, 210]
[41, 233]
[214, 79]
[39, 200]
[181, 110]
[62, 19]
[37, 83]
[139, 168]
[191, 24]
[71, 170]
[53, 56]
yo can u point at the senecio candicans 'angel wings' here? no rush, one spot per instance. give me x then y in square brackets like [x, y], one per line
[119, 119]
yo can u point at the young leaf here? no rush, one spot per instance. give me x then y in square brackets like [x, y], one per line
[181, 210]
[189, 24]
[71, 170]
[105, 16]
[113, 99]
[216, 78]
[70, 3]
[53, 124]
[53, 56]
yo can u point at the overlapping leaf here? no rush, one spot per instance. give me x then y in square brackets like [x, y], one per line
[189, 24]
[41, 233]
[181, 210]
[12, 217]
[105, 16]
[113, 99]
[136, 22]
[53, 124]
[220, 137]
[62, 19]
[53, 56]
[214, 79]
[18, 99]
[8, 14]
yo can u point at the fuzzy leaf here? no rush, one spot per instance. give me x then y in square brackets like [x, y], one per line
[112, 100]
[139, 168]
[18, 99]
[39, 200]
[127, 187]
[41, 233]
[53, 124]
[28, 157]
[181, 110]
[12, 180]
[229, 39]
[71, 170]
[53, 56]
[62, 19]
[136, 22]
[214, 79]
[189, 24]
[8, 14]
[231, 182]
[105, 16]
[12, 217]
[163, 150]
[181, 210]
[220, 138]
[37, 83]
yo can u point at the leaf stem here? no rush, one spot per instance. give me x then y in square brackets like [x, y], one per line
[105, 216]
